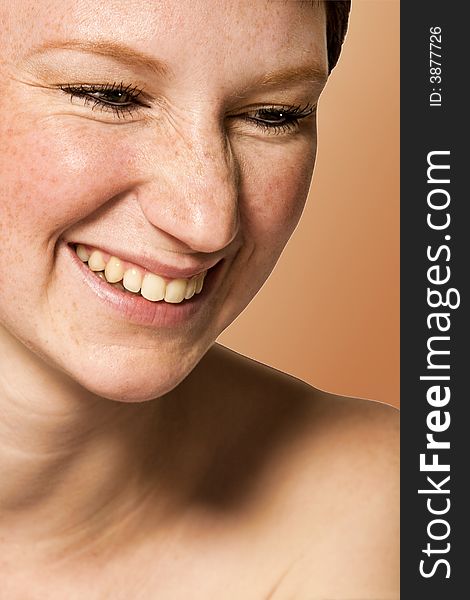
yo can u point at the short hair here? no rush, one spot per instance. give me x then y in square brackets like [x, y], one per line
[337, 14]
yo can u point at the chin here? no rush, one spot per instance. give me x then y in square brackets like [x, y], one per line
[130, 377]
[122, 387]
[128, 393]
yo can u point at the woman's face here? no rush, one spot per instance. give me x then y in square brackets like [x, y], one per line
[178, 137]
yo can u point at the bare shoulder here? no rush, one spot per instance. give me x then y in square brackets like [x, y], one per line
[352, 549]
[350, 429]
[337, 412]
[331, 488]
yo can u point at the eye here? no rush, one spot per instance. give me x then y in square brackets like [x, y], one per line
[117, 98]
[279, 119]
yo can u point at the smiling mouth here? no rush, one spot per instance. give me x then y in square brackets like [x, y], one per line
[138, 281]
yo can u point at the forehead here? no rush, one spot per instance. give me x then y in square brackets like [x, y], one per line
[182, 28]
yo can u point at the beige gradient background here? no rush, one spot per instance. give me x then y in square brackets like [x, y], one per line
[329, 313]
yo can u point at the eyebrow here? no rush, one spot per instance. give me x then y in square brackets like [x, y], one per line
[312, 74]
[133, 57]
[110, 49]
[309, 73]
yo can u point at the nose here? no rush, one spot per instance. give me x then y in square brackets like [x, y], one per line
[191, 191]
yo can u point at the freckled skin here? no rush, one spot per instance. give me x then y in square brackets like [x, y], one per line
[176, 181]
[147, 461]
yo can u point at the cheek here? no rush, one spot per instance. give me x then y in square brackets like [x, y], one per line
[52, 176]
[49, 178]
[275, 191]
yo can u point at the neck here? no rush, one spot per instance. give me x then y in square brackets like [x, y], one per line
[76, 468]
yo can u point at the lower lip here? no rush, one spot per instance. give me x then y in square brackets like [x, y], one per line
[138, 310]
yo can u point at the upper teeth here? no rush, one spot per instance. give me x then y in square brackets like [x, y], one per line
[152, 287]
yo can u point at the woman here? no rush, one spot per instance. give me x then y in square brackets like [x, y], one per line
[155, 160]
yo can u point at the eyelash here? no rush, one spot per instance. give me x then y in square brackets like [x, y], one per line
[120, 110]
[287, 117]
